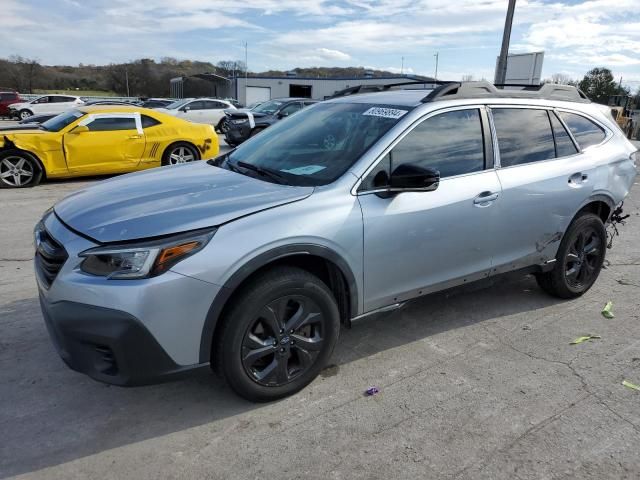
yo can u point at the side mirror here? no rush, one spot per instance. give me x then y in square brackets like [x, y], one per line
[283, 114]
[80, 129]
[185, 109]
[413, 178]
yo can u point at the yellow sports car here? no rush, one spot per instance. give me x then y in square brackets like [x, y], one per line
[100, 140]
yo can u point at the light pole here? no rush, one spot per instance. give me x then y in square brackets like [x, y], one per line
[437, 55]
[501, 69]
[402, 67]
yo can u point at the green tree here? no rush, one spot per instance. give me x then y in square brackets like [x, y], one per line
[599, 85]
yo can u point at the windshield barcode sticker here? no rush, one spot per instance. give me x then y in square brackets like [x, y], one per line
[385, 112]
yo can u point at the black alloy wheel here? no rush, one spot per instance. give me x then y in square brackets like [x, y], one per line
[283, 341]
[579, 258]
[277, 334]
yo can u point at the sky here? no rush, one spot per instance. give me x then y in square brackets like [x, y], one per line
[283, 34]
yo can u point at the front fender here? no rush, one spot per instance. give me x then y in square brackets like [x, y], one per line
[252, 266]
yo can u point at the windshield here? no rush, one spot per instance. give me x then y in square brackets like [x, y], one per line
[177, 104]
[58, 122]
[268, 107]
[318, 144]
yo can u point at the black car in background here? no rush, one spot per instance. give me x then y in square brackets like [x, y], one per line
[156, 103]
[244, 124]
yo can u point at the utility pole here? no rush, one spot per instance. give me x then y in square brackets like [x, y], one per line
[437, 55]
[501, 70]
[126, 79]
[246, 69]
[402, 67]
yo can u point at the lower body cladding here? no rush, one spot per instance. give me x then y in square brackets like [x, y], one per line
[123, 332]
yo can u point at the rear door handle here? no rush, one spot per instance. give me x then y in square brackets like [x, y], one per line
[485, 198]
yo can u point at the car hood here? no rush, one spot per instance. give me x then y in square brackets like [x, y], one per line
[170, 200]
[19, 105]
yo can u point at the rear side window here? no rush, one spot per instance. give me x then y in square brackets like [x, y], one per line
[584, 131]
[564, 144]
[451, 143]
[111, 124]
[147, 121]
[524, 136]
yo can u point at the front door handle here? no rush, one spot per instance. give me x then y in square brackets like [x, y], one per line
[578, 178]
[485, 198]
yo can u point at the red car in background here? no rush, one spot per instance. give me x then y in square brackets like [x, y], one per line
[7, 97]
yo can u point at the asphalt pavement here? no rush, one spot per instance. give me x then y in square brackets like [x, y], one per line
[480, 382]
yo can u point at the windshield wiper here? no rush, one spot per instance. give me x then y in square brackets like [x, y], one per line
[261, 171]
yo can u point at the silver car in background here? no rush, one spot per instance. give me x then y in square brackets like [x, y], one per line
[251, 262]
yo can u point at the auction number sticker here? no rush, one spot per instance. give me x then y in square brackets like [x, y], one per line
[385, 112]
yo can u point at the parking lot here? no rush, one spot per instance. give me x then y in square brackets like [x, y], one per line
[480, 382]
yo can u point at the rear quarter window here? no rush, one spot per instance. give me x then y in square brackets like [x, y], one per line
[586, 132]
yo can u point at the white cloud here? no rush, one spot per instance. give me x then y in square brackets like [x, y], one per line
[329, 54]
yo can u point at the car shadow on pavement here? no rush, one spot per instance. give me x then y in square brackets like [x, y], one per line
[51, 415]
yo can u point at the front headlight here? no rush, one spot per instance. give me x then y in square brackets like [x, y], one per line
[239, 121]
[145, 259]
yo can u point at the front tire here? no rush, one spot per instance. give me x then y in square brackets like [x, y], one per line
[579, 258]
[277, 335]
[19, 169]
[24, 114]
[179, 153]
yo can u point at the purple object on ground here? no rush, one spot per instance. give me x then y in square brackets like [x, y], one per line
[372, 391]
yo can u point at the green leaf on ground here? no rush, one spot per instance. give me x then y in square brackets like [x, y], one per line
[606, 311]
[630, 385]
[584, 338]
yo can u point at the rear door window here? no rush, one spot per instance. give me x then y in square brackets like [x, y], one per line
[564, 144]
[524, 136]
[586, 132]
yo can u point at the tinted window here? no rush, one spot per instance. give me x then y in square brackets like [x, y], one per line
[8, 96]
[199, 105]
[291, 108]
[147, 121]
[524, 136]
[209, 105]
[564, 145]
[584, 131]
[113, 123]
[61, 99]
[42, 100]
[451, 143]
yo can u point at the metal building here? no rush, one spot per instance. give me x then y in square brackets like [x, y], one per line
[259, 88]
[253, 89]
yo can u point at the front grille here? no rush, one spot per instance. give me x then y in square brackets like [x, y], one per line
[50, 256]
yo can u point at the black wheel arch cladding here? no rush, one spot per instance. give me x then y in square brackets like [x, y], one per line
[263, 260]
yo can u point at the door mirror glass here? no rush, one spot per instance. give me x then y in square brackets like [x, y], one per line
[80, 129]
[185, 109]
[414, 178]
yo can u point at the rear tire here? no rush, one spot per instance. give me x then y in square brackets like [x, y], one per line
[19, 169]
[179, 153]
[579, 259]
[277, 335]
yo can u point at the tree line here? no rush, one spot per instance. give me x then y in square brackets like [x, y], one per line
[146, 77]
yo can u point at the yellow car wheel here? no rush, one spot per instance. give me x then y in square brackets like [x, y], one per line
[19, 169]
[180, 152]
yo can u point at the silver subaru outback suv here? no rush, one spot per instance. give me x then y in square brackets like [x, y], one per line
[251, 262]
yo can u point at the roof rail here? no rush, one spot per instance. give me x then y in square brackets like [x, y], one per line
[482, 89]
